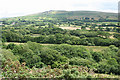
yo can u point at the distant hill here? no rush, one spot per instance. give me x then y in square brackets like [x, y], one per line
[76, 14]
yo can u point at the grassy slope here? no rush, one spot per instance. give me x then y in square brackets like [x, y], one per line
[76, 14]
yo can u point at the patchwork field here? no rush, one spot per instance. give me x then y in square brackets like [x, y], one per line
[70, 28]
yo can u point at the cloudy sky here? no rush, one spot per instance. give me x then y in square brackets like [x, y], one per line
[12, 8]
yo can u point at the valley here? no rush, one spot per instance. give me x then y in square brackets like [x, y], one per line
[61, 44]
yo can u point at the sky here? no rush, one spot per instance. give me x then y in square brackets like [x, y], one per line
[13, 8]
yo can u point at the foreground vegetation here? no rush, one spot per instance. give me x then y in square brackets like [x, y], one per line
[60, 61]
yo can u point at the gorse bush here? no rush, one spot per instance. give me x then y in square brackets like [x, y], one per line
[80, 62]
[63, 72]
[13, 69]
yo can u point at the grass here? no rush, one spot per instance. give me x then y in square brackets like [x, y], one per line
[70, 28]
[35, 35]
[106, 75]
[17, 43]
[96, 48]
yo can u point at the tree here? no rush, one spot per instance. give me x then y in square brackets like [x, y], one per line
[97, 56]
[50, 57]
[118, 30]
[10, 46]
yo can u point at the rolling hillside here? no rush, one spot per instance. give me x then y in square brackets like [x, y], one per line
[76, 14]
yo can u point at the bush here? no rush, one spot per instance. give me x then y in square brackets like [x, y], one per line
[80, 61]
